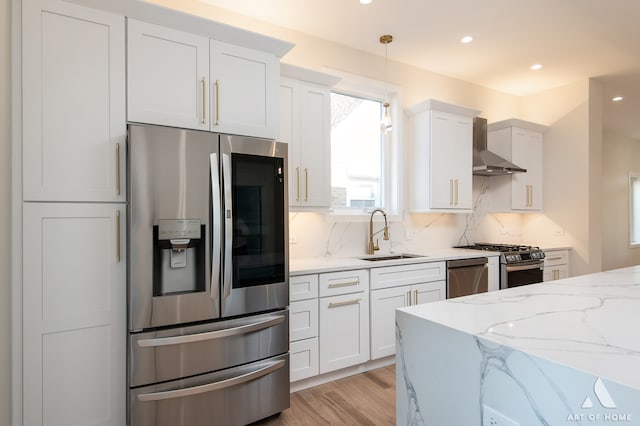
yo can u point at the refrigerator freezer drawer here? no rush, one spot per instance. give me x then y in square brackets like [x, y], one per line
[181, 352]
[236, 396]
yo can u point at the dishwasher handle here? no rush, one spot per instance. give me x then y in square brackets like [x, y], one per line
[465, 263]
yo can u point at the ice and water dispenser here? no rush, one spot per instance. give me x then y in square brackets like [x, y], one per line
[178, 256]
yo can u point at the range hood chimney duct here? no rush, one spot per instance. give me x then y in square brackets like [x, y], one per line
[485, 162]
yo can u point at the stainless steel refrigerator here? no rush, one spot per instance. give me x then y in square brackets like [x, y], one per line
[208, 277]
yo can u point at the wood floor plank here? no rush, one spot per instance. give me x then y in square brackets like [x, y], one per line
[363, 399]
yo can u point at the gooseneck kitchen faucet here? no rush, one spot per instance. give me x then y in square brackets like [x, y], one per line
[373, 247]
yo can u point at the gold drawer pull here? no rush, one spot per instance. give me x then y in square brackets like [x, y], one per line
[345, 303]
[344, 284]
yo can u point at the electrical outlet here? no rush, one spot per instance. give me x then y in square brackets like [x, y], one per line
[293, 239]
[491, 417]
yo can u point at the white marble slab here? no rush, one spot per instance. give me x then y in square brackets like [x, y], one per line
[558, 353]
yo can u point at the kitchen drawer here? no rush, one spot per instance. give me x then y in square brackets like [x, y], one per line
[304, 359]
[303, 287]
[344, 282]
[303, 319]
[558, 257]
[394, 276]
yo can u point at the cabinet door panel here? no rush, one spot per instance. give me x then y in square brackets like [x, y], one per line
[344, 331]
[245, 90]
[527, 152]
[168, 76]
[383, 319]
[74, 289]
[304, 359]
[303, 319]
[441, 176]
[428, 292]
[315, 186]
[74, 124]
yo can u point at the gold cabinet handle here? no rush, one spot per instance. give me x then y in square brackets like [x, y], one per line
[297, 183]
[554, 258]
[306, 184]
[556, 274]
[117, 236]
[530, 195]
[204, 100]
[217, 84]
[409, 298]
[450, 192]
[117, 168]
[415, 297]
[344, 284]
[456, 182]
[345, 303]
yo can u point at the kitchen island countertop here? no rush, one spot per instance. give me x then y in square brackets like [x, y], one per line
[541, 347]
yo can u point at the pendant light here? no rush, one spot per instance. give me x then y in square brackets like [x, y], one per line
[385, 124]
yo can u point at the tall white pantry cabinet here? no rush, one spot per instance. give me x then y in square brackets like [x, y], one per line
[74, 273]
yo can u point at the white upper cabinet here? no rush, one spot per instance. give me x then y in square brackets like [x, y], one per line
[442, 157]
[180, 79]
[168, 76]
[305, 124]
[521, 143]
[74, 125]
[245, 91]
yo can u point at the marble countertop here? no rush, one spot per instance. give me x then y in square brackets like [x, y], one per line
[328, 264]
[590, 322]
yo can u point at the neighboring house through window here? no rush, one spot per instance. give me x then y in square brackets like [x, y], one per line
[364, 160]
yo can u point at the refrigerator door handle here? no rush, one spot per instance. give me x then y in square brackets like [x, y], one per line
[209, 387]
[227, 209]
[216, 208]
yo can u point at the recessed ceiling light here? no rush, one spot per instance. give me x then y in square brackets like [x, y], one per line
[466, 39]
[536, 67]
[365, 1]
[617, 99]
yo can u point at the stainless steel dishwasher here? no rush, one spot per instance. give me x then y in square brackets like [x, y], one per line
[467, 276]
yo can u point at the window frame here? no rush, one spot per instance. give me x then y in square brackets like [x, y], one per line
[634, 216]
[366, 88]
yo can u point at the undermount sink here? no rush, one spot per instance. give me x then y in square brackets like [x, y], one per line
[398, 256]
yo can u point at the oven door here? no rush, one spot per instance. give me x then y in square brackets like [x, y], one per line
[235, 396]
[521, 274]
[255, 274]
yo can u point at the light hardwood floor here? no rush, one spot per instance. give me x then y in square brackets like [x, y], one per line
[364, 399]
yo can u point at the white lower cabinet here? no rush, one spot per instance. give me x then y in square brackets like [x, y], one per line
[344, 319]
[344, 331]
[556, 265]
[303, 360]
[303, 327]
[493, 277]
[74, 314]
[396, 287]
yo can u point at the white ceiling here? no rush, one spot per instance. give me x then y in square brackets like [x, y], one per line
[573, 39]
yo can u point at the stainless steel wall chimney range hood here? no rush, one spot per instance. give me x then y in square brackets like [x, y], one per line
[485, 162]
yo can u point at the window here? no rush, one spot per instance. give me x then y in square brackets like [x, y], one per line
[634, 209]
[363, 159]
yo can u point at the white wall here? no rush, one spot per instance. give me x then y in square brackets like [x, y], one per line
[570, 166]
[5, 213]
[621, 155]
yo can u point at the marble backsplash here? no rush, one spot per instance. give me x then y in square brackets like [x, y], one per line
[319, 234]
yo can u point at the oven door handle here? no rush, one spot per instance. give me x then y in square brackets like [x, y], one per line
[209, 387]
[210, 335]
[528, 266]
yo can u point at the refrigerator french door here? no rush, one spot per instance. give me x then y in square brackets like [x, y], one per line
[207, 226]
[208, 276]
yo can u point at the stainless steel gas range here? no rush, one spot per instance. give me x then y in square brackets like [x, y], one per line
[519, 264]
